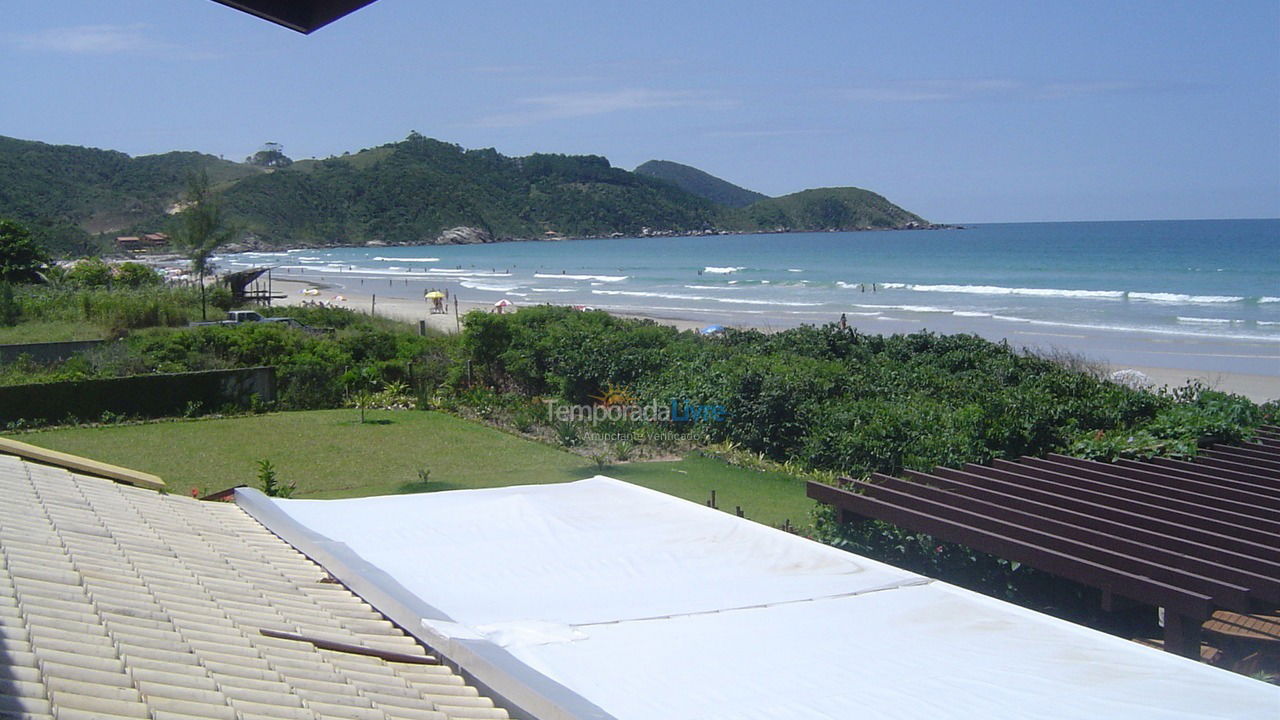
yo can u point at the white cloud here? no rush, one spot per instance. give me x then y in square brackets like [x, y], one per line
[90, 40]
[982, 89]
[585, 104]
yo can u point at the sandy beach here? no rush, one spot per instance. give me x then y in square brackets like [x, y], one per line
[1112, 353]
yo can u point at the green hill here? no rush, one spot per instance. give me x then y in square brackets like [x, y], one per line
[408, 192]
[841, 208]
[702, 184]
[401, 193]
[66, 189]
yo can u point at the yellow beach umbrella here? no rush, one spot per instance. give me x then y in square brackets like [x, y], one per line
[434, 294]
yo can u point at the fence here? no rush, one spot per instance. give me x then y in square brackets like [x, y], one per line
[46, 352]
[137, 396]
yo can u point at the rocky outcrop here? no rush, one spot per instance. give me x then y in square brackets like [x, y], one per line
[463, 236]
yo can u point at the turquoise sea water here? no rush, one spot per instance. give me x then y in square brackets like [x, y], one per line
[1211, 279]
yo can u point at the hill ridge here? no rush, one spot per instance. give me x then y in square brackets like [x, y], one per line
[405, 192]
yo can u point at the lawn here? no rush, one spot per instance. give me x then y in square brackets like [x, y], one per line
[329, 453]
[50, 331]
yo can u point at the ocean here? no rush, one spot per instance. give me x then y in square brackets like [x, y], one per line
[1212, 280]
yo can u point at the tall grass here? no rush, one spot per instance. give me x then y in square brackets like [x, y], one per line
[115, 311]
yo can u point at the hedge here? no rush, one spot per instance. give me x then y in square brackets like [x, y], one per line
[137, 396]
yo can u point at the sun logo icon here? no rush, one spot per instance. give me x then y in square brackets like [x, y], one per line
[614, 396]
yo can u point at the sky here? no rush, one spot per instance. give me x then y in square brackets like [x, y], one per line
[961, 112]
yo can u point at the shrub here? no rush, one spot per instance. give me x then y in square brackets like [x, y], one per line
[90, 273]
[136, 275]
[10, 311]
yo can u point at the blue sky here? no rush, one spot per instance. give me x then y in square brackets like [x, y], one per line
[962, 112]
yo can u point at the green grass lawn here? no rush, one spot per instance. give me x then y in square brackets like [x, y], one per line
[329, 453]
[51, 331]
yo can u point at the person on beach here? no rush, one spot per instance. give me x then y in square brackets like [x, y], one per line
[844, 321]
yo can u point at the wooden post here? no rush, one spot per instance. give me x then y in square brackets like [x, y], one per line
[1181, 635]
[457, 320]
[373, 309]
[422, 327]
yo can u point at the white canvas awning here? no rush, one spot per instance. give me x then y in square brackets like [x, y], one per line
[603, 599]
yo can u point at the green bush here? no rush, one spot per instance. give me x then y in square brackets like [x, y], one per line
[10, 310]
[90, 273]
[136, 275]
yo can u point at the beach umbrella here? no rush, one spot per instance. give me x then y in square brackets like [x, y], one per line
[712, 329]
[502, 303]
[434, 294]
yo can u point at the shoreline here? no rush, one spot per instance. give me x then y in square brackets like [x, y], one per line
[1109, 351]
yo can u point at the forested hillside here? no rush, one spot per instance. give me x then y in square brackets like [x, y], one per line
[75, 199]
[703, 184]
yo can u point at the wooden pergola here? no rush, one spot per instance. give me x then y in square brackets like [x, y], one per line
[1189, 537]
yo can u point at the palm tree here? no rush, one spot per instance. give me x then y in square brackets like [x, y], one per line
[201, 230]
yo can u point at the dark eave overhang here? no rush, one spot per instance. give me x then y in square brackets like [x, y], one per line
[304, 16]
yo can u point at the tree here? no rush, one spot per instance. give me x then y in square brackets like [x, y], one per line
[21, 257]
[271, 155]
[137, 275]
[90, 273]
[201, 230]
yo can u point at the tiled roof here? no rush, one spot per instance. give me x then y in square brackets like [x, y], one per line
[117, 601]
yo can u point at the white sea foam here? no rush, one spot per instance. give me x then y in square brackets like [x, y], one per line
[970, 313]
[465, 273]
[471, 284]
[680, 296]
[551, 290]
[407, 259]
[910, 308]
[711, 287]
[597, 278]
[794, 270]
[1268, 299]
[782, 303]
[998, 290]
[1268, 322]
[721, 270]
[1206, 321]
[1181, 298]
[638, 293]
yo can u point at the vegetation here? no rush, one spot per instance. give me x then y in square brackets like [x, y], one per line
[416, 188]
[704, 185]
[388, 457]
[405, 192]
[845, 208]
[811, 402]
[69, 312]
[201, 230]
[21, 257]
[69, 193]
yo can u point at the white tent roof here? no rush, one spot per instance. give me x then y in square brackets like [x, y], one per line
[611, 600]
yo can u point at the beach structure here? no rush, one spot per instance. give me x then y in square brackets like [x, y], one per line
[141, 244]
[117, 601]
[1198, 539]
[251, 286]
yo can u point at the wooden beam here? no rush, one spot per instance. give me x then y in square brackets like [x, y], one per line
[1144, 589]
[1137, 514]
[1163, 548]
[388, 655]
[1123, 555]
[80, 464]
